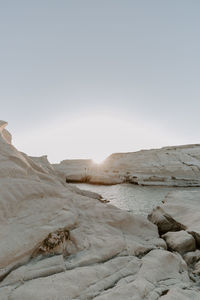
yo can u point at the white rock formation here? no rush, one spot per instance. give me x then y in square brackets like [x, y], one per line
[57, 242]
[180, 241]
[171, 166]
[120, 278]
[180, 210]
[192, 257]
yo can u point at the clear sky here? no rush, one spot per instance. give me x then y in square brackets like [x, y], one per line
[85, 78]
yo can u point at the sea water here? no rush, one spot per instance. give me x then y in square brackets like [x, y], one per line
[134, 198]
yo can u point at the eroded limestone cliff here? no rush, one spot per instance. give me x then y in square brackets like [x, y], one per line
[169, 166]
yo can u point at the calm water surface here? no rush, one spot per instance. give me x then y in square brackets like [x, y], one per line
[138, 199]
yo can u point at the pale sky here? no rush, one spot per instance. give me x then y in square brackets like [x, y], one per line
[84, 79]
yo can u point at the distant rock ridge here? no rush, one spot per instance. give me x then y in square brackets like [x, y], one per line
[58, 242]
[169, 166]
[5, 134]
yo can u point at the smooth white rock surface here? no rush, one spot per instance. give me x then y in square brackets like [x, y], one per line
[169, 166]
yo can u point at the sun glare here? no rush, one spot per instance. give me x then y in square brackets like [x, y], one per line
[91, 137]
[98, 160]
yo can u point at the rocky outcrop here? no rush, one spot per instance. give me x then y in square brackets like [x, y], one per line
[180, 210]
[180, 241]
[58, 242]
[157, 274]
[169, 166]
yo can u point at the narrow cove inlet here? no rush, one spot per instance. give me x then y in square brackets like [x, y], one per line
[134, 198]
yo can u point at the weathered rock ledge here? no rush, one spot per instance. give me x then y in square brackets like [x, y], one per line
[169, 166]
[58, 242]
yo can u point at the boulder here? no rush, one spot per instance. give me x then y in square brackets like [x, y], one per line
[181, 210]
[180, 241]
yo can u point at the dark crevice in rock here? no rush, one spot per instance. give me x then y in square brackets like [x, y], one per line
[54, 243]
[166, 223]
[196, 237]
[164, 292]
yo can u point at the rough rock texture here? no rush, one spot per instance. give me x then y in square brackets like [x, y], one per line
[180, 294]
[192, 257]
[180, 241]
[58, 242]
[119, 278]
[180, 210]
[171, 166]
